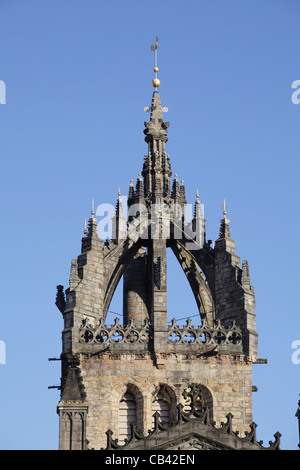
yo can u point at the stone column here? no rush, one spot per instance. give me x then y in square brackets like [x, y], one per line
[159, 292]
[72, 426]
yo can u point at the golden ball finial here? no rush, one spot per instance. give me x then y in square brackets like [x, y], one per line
[155, 82]
[155, 69]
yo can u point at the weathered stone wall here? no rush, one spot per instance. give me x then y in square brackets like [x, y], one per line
[234, 296]
[106, 377]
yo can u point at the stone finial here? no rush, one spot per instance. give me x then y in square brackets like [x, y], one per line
[182, 192]
[74, 279]
[92, 224]
[60, 301]
[73, 388]
[119, 222]
[92, 228]
[119, 206]
[245, 278]
[175, 193]
[224, 228]
[130, 194]
[197, 208]
[91, 240]
[139, 189]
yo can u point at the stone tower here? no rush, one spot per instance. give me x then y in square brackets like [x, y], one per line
[120, 381]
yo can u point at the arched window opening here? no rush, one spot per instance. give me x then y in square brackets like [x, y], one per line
[161, 406]
[130, 300]
[164, 402]
[127, 415]
[115, 309]
[181, 303]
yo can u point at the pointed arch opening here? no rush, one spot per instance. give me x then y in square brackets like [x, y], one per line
[130, 411]
[130, 300]
[181, 303]
[127, 416]
[197, 282]
[164, 402]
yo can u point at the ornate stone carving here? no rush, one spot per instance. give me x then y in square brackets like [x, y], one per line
[105, 335]
[247, 442]
[194, 394]
[60, 301]
[218, 335]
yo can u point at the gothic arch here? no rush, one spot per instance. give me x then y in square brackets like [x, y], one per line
[198, 284]
[131, 409]
[119, 264]
[187, 261]
[164, 401]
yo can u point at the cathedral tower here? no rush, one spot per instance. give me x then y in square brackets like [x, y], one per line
[190, 385]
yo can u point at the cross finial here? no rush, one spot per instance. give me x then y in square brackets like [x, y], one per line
[224, 207]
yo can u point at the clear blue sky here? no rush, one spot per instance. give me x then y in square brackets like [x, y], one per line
[78, 76]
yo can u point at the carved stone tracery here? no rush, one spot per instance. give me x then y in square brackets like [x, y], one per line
[114, 334]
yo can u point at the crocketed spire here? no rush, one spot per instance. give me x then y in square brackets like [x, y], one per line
[118, 222]
[175, 194]
[139, 190]
[156, 168]
[224, 227]
[92, 224]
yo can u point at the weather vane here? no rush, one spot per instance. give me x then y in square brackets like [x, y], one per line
[154, 47]
[155, 81]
